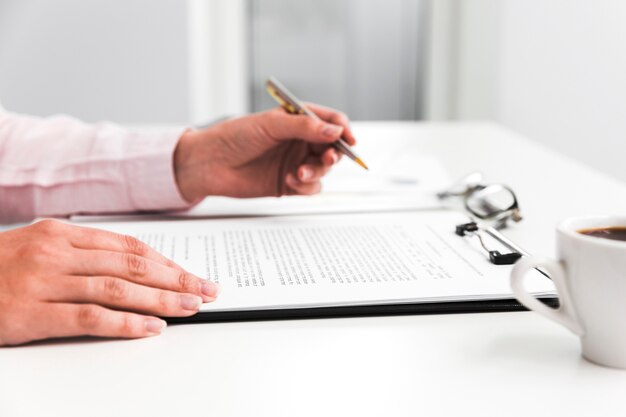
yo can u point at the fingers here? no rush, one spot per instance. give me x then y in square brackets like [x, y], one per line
[311, 172]
[123, 295]
[168, 275]
[306, 179]
[330, 157]
[283, 126]
[335, 117]
[296, 186]
[67, 320]
[88, 238]
[142, 271]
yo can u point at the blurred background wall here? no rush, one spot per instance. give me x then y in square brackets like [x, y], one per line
[120, 60]
[552, 70]
[365, 57]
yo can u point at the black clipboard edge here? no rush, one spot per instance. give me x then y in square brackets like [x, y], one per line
[453, 307]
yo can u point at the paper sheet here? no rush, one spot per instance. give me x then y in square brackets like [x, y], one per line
[332, 260]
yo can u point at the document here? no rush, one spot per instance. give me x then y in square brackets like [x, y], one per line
[332, 260]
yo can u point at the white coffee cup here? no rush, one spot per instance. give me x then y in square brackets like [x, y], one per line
[590, 279]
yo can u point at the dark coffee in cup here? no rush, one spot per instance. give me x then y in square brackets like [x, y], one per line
[612, 233]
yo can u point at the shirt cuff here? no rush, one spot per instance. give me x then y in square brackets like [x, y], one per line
[150, 179]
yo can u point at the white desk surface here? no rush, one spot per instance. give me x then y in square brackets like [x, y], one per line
[514, 364]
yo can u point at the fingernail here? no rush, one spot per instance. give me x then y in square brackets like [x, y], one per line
[306, 173]
[209, 288]
[190, 302]
[332, 130]
[154, 326]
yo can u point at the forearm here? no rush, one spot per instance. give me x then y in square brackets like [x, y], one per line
[59, 166]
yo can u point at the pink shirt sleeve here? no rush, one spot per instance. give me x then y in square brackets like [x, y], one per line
[59, 166]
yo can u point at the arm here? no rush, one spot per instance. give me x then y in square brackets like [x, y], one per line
[59, 165]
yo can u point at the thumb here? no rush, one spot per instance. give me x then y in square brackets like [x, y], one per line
[283, 126]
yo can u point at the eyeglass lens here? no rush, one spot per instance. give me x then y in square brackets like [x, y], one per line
[490, 201]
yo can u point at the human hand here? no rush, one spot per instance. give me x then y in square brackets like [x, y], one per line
[60, 280]
[272, 153]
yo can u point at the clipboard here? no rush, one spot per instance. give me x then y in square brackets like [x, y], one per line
[372, 264]
[401, 309]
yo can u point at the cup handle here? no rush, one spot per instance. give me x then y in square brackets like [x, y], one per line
[565, 314]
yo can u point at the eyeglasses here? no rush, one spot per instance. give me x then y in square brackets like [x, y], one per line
[493, 205]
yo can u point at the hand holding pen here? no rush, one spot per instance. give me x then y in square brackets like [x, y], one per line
[292, 105]
[271, 153]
